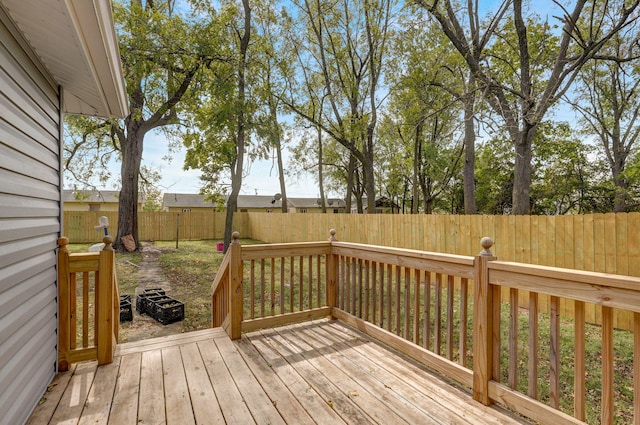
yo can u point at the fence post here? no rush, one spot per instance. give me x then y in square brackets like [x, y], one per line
[63, 305]
[483, 324]
[104, 319]
[236, 290]
[332, 274]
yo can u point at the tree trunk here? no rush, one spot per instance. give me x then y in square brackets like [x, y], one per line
[417, 165]
[323, 203]
[236, 171]
[128, 199]
[622, 186]
[369, 186]
[350, 182]
[521, 196]
[468, 169]
[278, 145]
[283, 186]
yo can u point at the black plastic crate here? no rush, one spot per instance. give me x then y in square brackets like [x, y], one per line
[167, 311]
[148, 302]
[126, 314]
[125, 297]
[141, 299]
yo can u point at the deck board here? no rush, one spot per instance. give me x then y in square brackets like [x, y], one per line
[151, 399]
[320, 372]
[125, 398]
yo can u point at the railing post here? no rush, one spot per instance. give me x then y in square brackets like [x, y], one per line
[332, 274]
[63, 305]
[483, 324]
[236, 292]
[104, 319]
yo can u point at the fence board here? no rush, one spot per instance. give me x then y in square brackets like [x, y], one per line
[79, 225]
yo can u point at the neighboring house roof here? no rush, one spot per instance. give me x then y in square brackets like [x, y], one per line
[94, 196]
[185, 200]
[315, 203]
[90, 196]
[258, 201]
[76, 42]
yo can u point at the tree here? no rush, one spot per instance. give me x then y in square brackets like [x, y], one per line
[270, 59]
[340, 49]
[565, 174]
[608, 99]
[162, 56]
[218, 139]
[161, 60]
[544, 63]
[424, 113]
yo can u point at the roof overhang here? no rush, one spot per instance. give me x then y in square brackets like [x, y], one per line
[76, 42]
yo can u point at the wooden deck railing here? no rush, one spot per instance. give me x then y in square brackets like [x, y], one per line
[456, 314]
[89, 305]
[599, 291]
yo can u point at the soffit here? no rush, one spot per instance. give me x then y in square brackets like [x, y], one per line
[76, 42]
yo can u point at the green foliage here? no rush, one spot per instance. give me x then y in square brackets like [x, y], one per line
[381, 84]
[564, 173]
[494, 176]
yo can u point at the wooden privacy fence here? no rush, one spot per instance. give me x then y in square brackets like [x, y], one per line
[152, 226]
[459, 315]
[607, 243]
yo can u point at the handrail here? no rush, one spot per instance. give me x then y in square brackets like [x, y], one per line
[85, 279]
[422, 304]
[224, 267]
[219, 293]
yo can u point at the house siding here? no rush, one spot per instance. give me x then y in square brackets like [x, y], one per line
[29, 226]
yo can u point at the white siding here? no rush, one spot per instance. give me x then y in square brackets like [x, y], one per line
[29, 227]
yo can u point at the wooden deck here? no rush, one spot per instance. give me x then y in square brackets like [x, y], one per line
[321, 372]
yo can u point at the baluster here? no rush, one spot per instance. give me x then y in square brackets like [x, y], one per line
[450, 320]
[263, 290]
[464, 303]
[397, 300]
[437, 327]
[311, 282]
[374, 292]
[427, 310]
[554, 360]
[282, 306]
[579, 388]
[407, 302]
[252, 289]
[416, 307]
[607, 415]
[513, 339]
[292, 284]
[272, 279]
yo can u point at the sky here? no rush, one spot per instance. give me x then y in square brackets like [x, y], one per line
[262, 178]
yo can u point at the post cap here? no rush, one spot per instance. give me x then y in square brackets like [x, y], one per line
[486, 243]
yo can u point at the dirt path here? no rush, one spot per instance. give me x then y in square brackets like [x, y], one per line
[149, 275]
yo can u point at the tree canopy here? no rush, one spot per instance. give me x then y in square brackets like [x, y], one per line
[439, 106]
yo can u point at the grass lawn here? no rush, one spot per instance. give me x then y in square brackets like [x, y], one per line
[190, 270]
